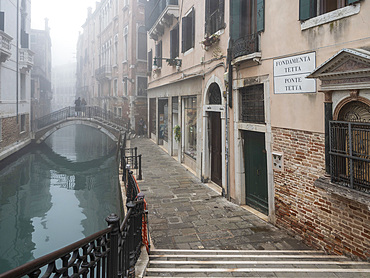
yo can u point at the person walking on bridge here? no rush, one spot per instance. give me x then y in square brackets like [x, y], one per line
[77, 106]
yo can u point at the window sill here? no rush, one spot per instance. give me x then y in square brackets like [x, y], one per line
[345, 192]
[331, 16]
[187, 52]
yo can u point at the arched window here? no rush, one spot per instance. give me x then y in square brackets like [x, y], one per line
[214, 94]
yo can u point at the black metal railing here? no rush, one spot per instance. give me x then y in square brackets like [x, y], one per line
[83, 112]
[245, 45]
[350, 154]
[130, 160]
[112, 252]
[155, 9]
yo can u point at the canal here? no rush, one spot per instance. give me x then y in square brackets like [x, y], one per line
[57, 193]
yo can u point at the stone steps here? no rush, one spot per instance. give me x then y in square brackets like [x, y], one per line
[253, 263]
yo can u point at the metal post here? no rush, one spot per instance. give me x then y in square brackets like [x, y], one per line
[135, 158]
[140, 177]
[131, 239]
[112, 270]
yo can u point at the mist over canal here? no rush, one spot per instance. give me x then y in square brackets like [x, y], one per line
[56, 194]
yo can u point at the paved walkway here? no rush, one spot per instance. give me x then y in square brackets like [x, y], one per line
[186, 214]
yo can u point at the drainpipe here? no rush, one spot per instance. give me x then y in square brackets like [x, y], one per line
[228, 104]
[17, 63]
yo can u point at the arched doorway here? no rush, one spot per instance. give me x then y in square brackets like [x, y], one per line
[215, 141]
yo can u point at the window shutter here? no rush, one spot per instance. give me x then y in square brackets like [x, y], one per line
[176, 41]
[307, 9]
[150, 58]
[352, 1]
[206, 31]
[172, 32]
[235, 18]
[183, 34]
[193, 28]
[260, 15]
[2, 21]
[221, 8]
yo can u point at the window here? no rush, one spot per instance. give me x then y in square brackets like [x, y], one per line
[125, 43]
[125, 86]
[190, 106]
[313, 8]
[150, 60]
[141, 85]
[252, 105]
[214, 16]
[120, 111]
[23, 123]
[247, 18]
[116, 49]
[174, 42]
[158, 54]
[115, 87]
[141, 43]
[23, 86]
[2, 21]
[188, 31]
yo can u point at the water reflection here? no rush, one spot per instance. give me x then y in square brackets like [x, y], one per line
[57, 194]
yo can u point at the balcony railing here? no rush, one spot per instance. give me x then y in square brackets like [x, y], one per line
[25, 58]
[158, 13]
[104, 72]
[5, 46]
[245, 45]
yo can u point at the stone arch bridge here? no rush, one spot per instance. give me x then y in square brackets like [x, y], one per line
[93, 116]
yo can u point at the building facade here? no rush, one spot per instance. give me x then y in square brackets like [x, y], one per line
[111, 59]
[16, 61]
[187, 49]
[64, 86]
[41, 93]
[300, 118]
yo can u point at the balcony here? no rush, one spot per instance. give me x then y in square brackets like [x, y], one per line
[25, 59]
[246, 48]
[160, 13]
[103, 73]
[5, 46]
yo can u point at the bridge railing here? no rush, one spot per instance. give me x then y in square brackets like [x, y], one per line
[83, 112]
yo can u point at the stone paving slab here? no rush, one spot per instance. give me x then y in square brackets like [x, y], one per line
[186, 214]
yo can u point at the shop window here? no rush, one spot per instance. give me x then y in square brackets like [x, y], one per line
[142, 84]
[312, 8]
[188, 31]
[252, 105]
[141, 43]
[190, 106]
[163, 119]
[214, 16]
[174, 42]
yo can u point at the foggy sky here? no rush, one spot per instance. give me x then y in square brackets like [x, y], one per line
[65, 20]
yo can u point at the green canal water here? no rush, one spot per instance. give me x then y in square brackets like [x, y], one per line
[57, 193]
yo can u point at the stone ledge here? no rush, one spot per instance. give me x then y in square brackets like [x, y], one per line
[348, 193]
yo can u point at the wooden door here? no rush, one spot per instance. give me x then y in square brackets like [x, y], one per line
[255, 162]
[215, 147]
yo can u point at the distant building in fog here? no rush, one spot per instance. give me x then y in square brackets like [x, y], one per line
[16, 61]
[41, 93]
[111, 59]
[64, 86]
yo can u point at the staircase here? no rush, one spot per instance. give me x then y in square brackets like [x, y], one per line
[253, 263]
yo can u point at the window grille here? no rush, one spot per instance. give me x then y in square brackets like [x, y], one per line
[214, 94]
[252, 105]
[350, 154]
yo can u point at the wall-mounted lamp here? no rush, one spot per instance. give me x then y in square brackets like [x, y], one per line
[125, 79]
[170, 62]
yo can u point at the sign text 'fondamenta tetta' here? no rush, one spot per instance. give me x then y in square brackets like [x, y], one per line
[290, 74]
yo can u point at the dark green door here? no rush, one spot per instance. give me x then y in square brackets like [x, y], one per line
[255, 171]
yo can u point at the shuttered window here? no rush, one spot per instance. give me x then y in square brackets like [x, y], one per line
[2, 21]
[141, 43]
[174, 42]
[158, 53]
[150, 58]
[214, 16]
[188, 31]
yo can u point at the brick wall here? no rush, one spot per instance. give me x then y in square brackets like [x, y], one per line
[11, 130]
[323, 220]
